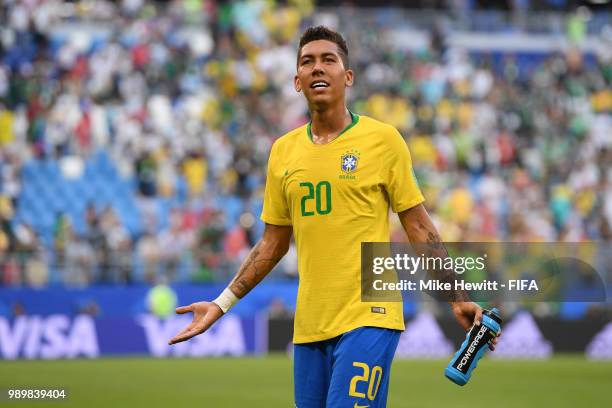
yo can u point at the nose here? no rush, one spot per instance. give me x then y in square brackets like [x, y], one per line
[318, 67]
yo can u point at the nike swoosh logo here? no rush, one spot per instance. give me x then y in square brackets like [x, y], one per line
[360, 406]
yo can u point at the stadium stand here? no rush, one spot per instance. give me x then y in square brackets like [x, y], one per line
[134, 137]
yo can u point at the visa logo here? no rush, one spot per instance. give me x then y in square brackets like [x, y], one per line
[48, 337]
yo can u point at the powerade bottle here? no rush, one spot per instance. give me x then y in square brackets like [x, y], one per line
[473, 348]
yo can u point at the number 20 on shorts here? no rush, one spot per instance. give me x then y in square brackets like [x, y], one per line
[371, 377]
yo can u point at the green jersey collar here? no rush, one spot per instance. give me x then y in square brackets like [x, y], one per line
[354, 120]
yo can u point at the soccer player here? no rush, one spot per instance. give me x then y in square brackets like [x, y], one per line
[330, 183]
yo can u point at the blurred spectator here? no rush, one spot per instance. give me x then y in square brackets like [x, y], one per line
[18, 309]
[195, 170]
[90, 308]
[117, 257]
[146, 174]
[149, 251]
[208, 246]
[32, 256]
[62, 235]
[94, 236]
[173, 242]
[278, 310]
[79, 262]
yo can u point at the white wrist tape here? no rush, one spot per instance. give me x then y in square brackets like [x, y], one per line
[226, 300]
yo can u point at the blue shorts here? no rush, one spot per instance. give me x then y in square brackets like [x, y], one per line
[348, 371]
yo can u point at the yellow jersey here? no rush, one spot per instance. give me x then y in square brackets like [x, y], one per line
[335, 196]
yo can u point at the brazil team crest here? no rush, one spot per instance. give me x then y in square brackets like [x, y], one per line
[349, 161]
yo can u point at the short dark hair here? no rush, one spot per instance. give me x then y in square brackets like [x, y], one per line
[324, 33]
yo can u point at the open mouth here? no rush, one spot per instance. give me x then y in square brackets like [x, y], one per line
[319, 84]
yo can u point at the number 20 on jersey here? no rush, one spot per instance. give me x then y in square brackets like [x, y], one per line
[317, 199]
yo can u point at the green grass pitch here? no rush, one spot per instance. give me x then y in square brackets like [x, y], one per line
[564, 381]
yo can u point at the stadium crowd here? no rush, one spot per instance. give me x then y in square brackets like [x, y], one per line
[187, 99]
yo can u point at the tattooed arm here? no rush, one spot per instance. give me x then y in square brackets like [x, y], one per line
[263, 257]
[424, 237]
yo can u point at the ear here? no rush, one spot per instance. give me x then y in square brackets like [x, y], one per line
[348, 77]
[297, 84]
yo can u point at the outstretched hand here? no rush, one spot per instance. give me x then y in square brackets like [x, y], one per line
[468, 314]
[204, 315]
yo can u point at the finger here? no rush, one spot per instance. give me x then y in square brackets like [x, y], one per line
[184, 336]
[187, 328]
[193, 329]
[493, 342]
[478, 316]
[178, 339]
[463, 320]
[184, 309]
[466, 323]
